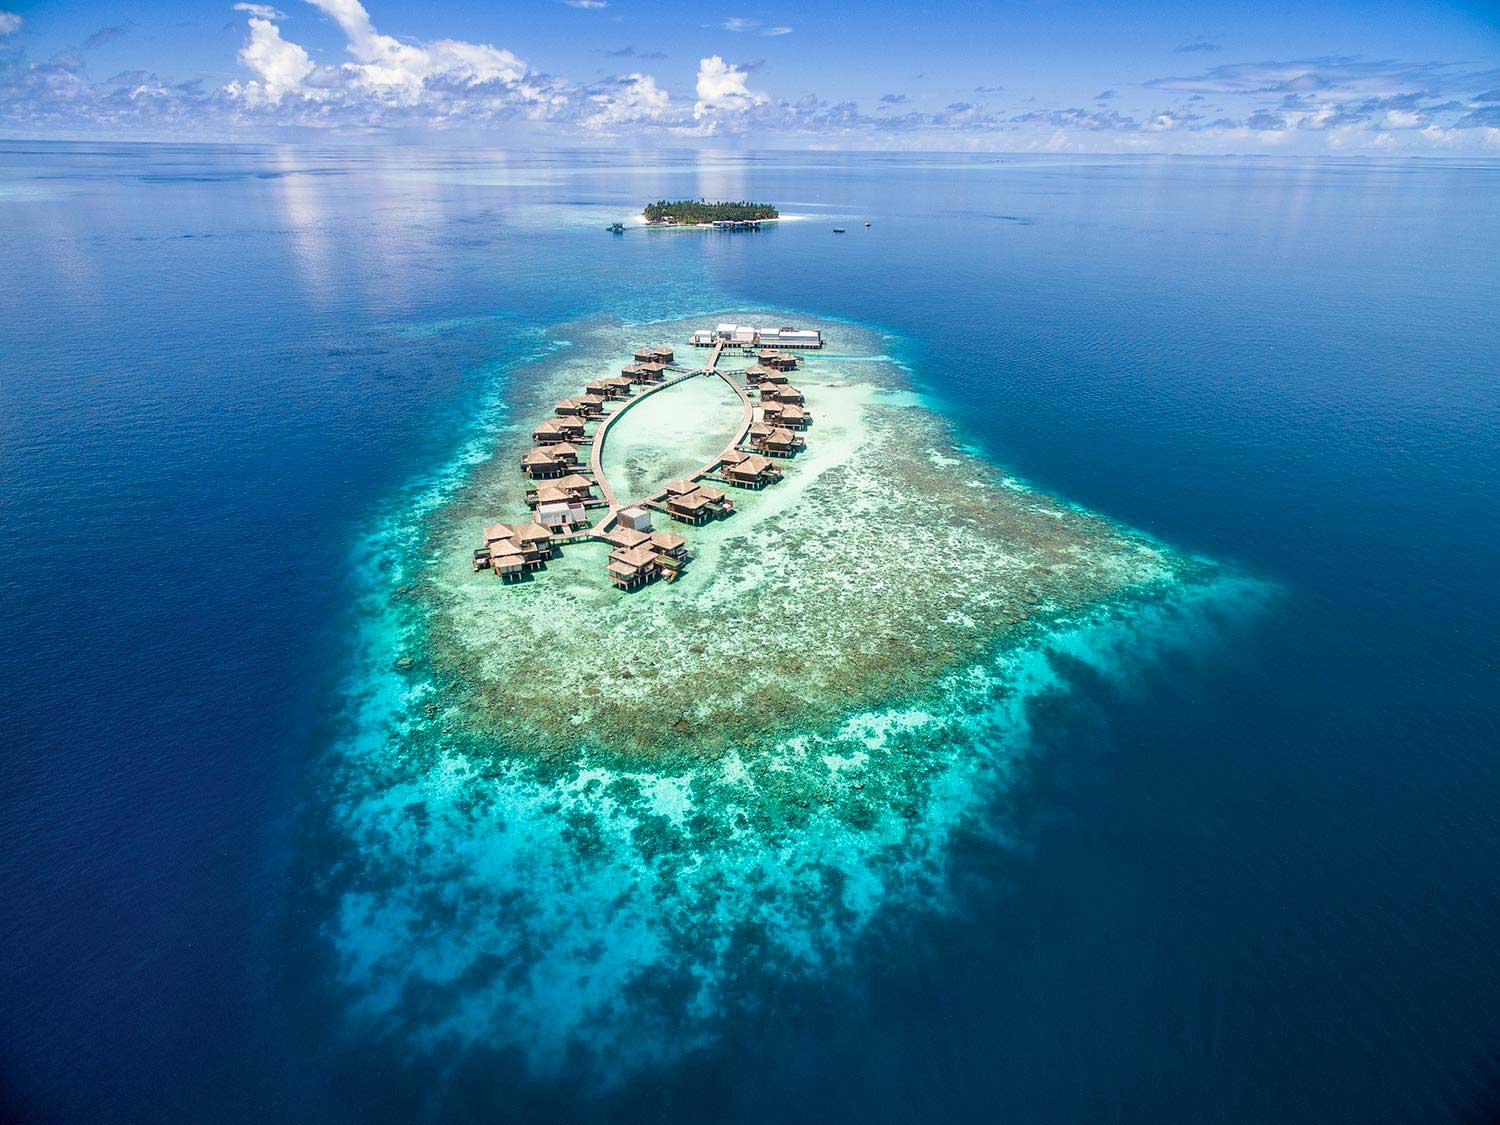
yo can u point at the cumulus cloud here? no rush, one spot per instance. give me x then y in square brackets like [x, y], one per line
[282, 66]
[385, 63]
[261, 11]
[10, 23]
[722, 89]
[894, 99]
[632, 99]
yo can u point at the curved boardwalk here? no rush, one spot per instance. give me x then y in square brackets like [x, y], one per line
[596, 457]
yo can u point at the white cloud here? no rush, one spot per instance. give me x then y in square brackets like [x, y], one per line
[401, 69]
[1401, 119]
[10, 23]
[586, 3]
[264, 11]
[283, 66]
[722, 87]
[637, 100]
[749, 23]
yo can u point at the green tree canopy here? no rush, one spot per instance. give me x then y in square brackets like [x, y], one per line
[701, 211]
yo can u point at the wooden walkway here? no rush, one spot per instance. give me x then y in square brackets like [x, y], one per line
[596, 459]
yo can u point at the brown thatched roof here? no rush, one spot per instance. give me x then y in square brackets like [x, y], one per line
[627, 537]
[633, 556]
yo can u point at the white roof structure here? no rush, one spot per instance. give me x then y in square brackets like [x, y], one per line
[635, 518]
[750, 335]
[559, 512]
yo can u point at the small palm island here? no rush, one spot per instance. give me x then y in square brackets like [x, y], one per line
[702, 214]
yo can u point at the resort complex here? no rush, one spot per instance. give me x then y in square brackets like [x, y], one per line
[572, 501]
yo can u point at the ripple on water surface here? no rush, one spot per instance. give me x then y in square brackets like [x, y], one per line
[581, 814]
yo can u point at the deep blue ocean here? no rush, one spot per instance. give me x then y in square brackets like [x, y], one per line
[1257, 881]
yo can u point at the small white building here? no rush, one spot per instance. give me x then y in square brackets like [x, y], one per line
[788, 336]
[637, 519]
[561, 514]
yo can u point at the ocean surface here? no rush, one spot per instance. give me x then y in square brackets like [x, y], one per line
[1241, 865]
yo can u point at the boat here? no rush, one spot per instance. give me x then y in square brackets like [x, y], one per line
[867, 224]
[617, 228]
[838, 230]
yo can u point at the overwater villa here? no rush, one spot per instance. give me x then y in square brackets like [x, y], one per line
[748, 470]
[669, 545]
[783, 393]
[654, 355]
[793, 417]
[542, 464]
[779, 361]
[577, 485]
[555, 430]
[645, 372]
[777, 441]
[572, 488]
[509, 551]
[630, 567]
[584, 406]
[691, 508]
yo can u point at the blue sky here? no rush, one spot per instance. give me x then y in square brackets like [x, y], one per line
[1210, 77]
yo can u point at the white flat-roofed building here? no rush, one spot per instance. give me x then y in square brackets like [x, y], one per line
[637, 519]
[561, 514]
[789, 337]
